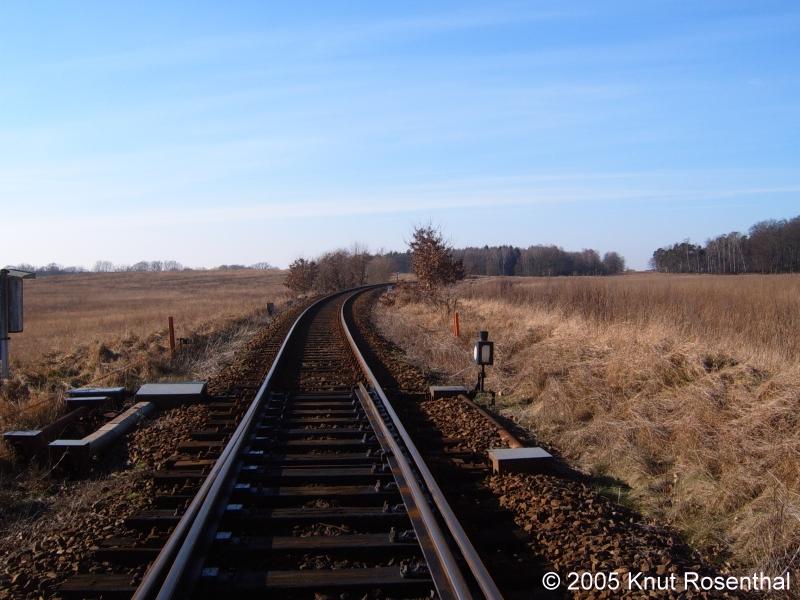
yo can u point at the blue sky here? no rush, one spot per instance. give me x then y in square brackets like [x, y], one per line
[238, 132]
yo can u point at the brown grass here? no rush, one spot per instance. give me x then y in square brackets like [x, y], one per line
[686, 388]
[756, 314]
[65, 311]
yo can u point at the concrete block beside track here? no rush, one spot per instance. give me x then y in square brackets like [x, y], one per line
[170, 395]
[27, 442]
[447, 391]
[115, 393]
[88, 401]
[33, 442]
[520, 460]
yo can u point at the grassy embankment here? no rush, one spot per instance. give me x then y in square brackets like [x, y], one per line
[684, 388]
[111, 329]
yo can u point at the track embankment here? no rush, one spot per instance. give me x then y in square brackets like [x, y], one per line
[565, 522]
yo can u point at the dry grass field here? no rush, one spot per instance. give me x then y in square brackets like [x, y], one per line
[66, 311]
[685, 390]
[755, 314]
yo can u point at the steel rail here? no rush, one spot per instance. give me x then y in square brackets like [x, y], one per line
[174, 570]
[164, 576]
[477, 568]
[432, 532]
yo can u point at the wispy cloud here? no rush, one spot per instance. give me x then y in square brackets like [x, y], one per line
[428, 201]
[317, 39]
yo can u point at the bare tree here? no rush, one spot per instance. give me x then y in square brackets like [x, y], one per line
[613, 263]
[432, 260]
[334, 273]
[359, 258]
[172, 265]
[302, 274]
[380, 268]
[262, 266]
[103, 266]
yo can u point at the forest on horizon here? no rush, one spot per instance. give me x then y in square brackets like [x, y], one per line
[771, 246]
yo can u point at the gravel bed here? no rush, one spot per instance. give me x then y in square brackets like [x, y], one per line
[152, 445]
[456, 419]
[37, 557]
[576, 529]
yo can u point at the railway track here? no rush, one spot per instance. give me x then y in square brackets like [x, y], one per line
[312, 490]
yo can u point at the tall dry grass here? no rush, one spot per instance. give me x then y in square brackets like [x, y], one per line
[687, 389]
[66, 311]
[758, 314]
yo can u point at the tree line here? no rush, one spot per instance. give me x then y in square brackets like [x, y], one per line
[436, 264]
[49, 269]
[771, 246]
[538, 261]
[144, 266]
[532, 261]
[344, 268]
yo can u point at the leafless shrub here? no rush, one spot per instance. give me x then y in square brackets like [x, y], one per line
[379, 269]
[301, 276]
[357, 262]
[336, 270]
[432, 260]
